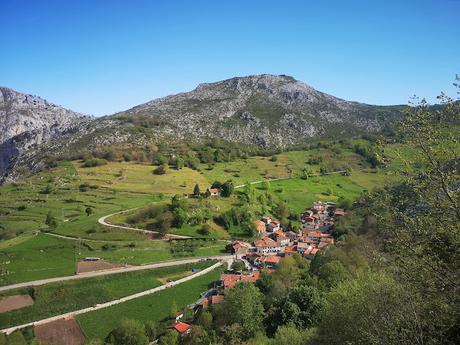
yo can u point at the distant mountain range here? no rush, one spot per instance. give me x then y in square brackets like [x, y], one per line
[263, 110]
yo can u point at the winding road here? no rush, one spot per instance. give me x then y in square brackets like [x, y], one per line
[103, 221]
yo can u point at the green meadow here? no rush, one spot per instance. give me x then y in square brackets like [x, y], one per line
[155, 307]
[59, 298]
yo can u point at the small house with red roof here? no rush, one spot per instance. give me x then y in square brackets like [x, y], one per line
[181, 327]
[215, 191]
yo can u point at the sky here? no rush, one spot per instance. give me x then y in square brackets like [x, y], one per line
[99, 56]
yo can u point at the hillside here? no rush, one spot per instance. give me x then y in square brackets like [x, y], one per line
[27, 121]
[263, 111]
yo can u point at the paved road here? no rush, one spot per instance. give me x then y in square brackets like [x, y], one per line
[103, 221]
[111, 271]
[115, 302]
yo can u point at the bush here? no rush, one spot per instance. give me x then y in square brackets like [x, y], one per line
[161, 170]
[90, 163]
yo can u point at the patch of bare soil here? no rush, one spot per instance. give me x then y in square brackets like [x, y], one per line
[60, 332]
[91, 266]
[15, 302]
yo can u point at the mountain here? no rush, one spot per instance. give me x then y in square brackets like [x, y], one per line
[262, 110]
[27, 121]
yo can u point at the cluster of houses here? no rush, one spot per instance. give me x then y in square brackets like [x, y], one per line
[273, 245]
[313, 236]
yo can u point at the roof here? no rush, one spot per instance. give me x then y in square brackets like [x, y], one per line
[339, 212]
[217, 299]
[280, 235]
[270, 259]
[230, 280]
[303, 245]
[290, 249]
[215, 190]
[181, 327]
[314, 234]
[265, 243]
[260, 226]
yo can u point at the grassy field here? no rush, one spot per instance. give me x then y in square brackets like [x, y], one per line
[44, 256]
[154, 307]
[58, 298]
[129, 177]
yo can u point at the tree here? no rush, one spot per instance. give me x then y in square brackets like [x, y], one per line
[196, 190]
[88, 211]
[164, 222]
[333, 273]
[198, 336]
[50, 220]
[205, 229]
[282, 210]
[173, 310]
[290, 335]
[151, 330]
[274, 158]
[227, 189]
[238, 266]
[205, 320]
[130, 332]
[171, 337]
[179, 163]
[180, 217]
[242, 306]
[161, 170]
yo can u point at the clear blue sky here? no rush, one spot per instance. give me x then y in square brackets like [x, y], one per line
[103, 56]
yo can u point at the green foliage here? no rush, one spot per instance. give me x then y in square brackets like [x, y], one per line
[242, 306]
[196, 190]
[227, 189]
[130, 332]
[91, 163]
[161, 170]
[170, 337]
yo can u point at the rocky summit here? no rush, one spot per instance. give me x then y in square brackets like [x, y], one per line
[27, 121]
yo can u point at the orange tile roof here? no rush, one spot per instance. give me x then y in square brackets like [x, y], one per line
[181, 327]
[270, 259]
[265, 243]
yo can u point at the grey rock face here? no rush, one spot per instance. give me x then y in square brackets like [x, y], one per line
[27, 121]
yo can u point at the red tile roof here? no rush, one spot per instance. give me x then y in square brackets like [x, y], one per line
[270, 259]
[230, 280]
[181, 327]
[266, 243]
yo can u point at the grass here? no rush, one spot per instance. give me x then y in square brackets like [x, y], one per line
[129, 177]
[58, 298]
[44, 256]
[154, 307]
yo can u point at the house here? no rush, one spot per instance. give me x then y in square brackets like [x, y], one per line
[310, 253]
[181, 327]
[215, 191]
[289, 250]
[291, 235]
[302, 247]
[339, 212]
[314, 235]
[281, 238]
[230, 280]
[268, 247]
[240, 248]
[270, 261]
[274, 226]
[179, 315]
[260, 226]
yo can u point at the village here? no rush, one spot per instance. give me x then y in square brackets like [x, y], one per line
[273, 244]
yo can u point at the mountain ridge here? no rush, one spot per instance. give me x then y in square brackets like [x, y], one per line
[267, 111]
